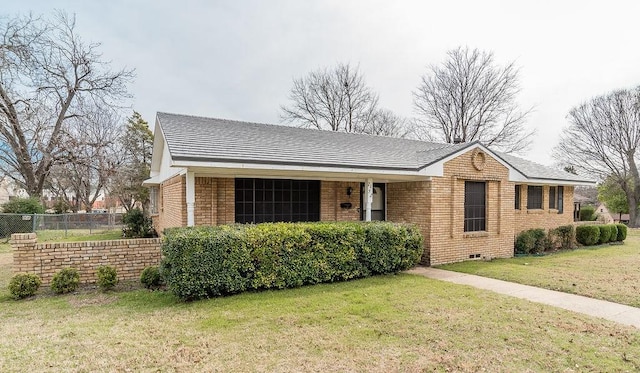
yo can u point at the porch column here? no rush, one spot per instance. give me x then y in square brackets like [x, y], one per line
[368, 194]
[191, 198]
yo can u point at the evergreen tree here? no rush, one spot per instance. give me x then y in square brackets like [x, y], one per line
[134, 167]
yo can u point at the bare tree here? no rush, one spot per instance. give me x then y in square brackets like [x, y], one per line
[470, 98]
[48, 76]
[384, 122]
[331, 99]
[602, 141]
[90, 159]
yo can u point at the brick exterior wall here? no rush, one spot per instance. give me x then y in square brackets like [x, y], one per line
[545, 218]
[214, 202]
[435, 206]
[332, 194]
[226, 197]
[206, 208]
[448, 242]
[128, 257]
[172, 208]
[411, 203]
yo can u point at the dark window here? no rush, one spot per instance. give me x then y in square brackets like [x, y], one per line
[560, 206]
[474, 206]
[534, 197]
[517, 197]
[552, 197]
[271, 200]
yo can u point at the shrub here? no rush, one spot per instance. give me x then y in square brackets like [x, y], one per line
[564, 237]
[151, 277]
[23, 206]
[107, 277]
[137, 225]
[587, 213]
[24, 285]
[605, 234]
[204, 262]
[65, 281]
[587, 234]
[532, 241]
[622, 232]
[614, 232]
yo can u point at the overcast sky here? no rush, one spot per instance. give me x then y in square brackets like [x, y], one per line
[237, 59]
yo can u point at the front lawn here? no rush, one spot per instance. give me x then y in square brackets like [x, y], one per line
[379, 324]
[609, 272]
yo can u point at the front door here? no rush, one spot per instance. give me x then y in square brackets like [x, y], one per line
[378, 211]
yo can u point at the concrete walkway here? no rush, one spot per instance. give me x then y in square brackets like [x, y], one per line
[599, 308]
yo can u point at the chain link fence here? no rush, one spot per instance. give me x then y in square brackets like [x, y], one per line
[62, 223]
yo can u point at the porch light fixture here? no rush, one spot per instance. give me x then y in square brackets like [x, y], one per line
[349, 190]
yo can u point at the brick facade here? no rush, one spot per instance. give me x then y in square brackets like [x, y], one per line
[214, 202]
[332, 194]
[448, 240]
[172, 210]
[128, 257]
[411, 203]
[436, 206]
[545, 218]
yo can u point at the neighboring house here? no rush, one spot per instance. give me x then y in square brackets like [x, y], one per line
[9, 190]
[608, 217]
[468, 201]
[579, 200]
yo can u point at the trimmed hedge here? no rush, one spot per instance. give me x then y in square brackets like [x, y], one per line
[605, 234]
[204, 262]
[614, 232]
[622, 232]
[588, 213]
[587, 234]
[532, 241]
[563, 237]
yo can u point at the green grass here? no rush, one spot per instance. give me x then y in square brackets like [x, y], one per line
[380, 324]
[388, 323]
[72, 235]
[608, 272]
[78, 235]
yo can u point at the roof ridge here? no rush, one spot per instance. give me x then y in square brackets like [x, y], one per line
[338, 133]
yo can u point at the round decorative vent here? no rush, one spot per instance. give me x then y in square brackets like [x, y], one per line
[478, 159]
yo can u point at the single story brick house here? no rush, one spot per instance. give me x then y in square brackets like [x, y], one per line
[469, 201]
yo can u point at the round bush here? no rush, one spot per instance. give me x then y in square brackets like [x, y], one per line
[107, 277]
[151, 278]
[587, 234]
[605, 234]
[614, 232]
[588, 213]
[24, 285]
[65, 281]
[525, 243]
[622, 232]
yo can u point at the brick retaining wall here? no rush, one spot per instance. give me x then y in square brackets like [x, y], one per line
[128, 257]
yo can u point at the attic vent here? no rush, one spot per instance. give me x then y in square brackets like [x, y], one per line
[457, 140]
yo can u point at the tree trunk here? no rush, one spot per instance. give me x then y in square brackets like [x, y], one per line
[634, 197]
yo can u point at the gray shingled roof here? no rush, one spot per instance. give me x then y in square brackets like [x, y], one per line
[534, 170]
[191, 138]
